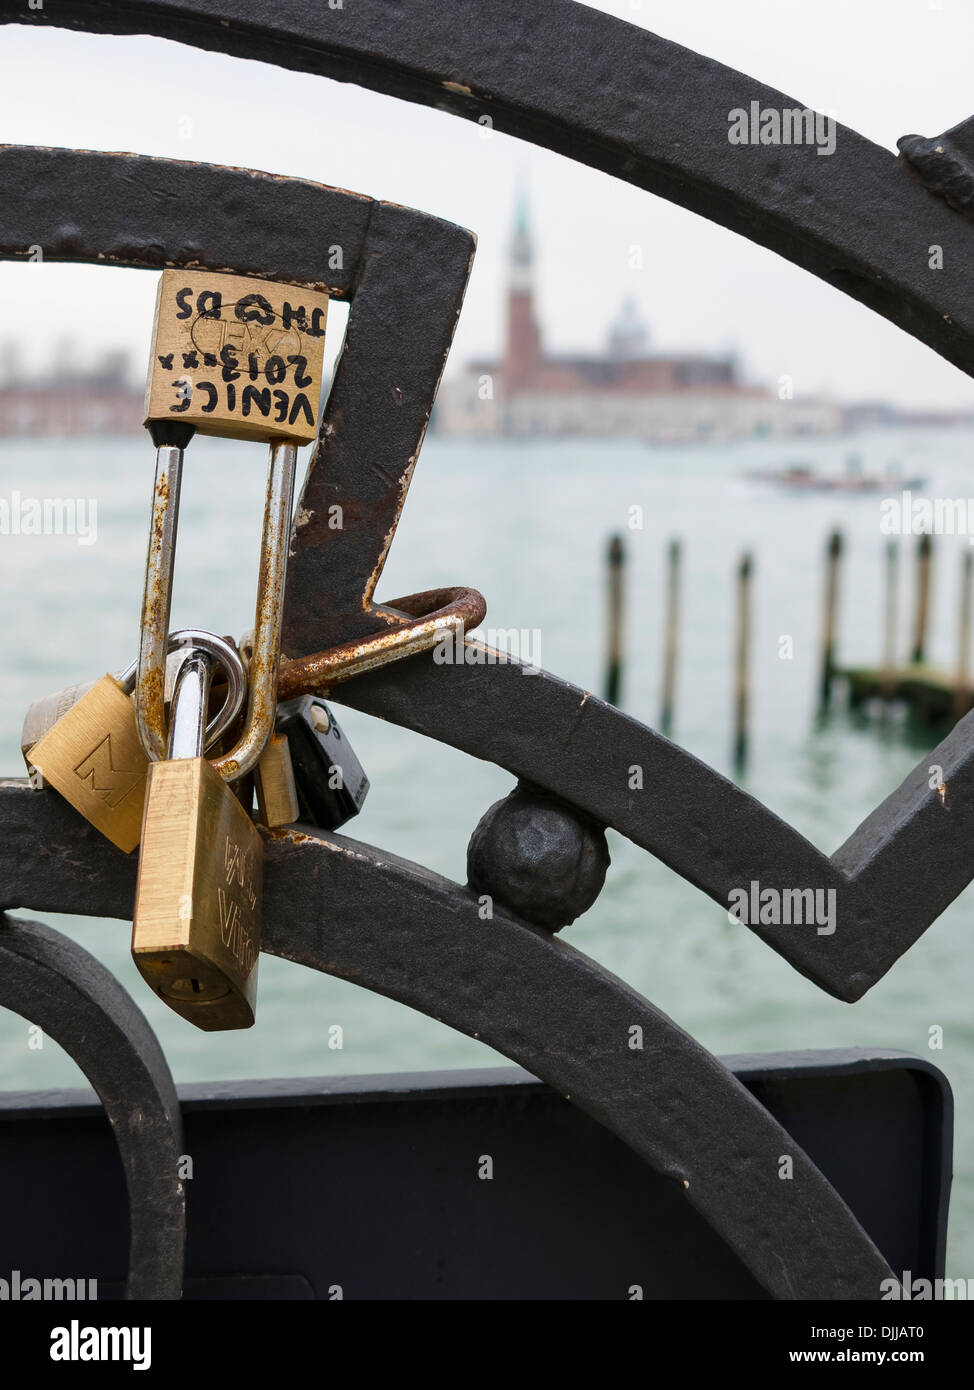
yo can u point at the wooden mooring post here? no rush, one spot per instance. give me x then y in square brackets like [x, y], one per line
[671, 634]
[932, 695]
[922, 612]
[615, 654]
[890, 620]
[742, 661]
[962, 688]
[833, 560]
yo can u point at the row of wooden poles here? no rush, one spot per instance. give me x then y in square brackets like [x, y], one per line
[915, 684]
[615, 654]
[933, 695]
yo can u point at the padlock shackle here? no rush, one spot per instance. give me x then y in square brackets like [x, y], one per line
[150, 706]
[265, 661]
[157, 603]
[440, 615]
[189, 704]
[226, 656]
[229, 660]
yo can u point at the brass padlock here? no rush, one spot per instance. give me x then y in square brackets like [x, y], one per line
[236, 356]
[196, 929]
[277, 794]
[90, 750]
[43, 714]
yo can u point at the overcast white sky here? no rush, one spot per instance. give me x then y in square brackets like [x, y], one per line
[885, 67]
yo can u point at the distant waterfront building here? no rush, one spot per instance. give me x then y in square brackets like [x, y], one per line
[71, 402]
[628, 391]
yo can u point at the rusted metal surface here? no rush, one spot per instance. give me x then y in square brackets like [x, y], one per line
[52, 982]
[443, 615]
[418, 938]
[150, 690]
[402, 319]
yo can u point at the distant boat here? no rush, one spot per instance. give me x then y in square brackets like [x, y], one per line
[803, 478]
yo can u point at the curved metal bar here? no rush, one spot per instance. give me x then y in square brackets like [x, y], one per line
[135, 210]
[51, 981]
[892, 878]
[419, 939]
[648, 111]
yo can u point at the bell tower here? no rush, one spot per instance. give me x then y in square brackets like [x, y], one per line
[522, 355]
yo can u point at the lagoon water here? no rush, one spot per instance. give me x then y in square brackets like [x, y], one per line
[527, 524]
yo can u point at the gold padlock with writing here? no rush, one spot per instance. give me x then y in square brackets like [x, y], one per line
[196, 928]
[236, 356]
[239, 357]
[84, 742]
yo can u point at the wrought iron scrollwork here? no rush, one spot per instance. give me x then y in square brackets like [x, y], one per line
[656, 115]
[54, 983]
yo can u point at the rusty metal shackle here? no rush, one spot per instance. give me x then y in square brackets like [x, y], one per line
[157, 603]
[441, 614]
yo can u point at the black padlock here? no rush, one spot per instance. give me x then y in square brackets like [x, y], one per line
[330, 782]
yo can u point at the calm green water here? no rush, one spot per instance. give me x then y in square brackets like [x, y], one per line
[527, 524]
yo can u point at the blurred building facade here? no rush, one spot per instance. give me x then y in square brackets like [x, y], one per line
[69, 400]
[626, 391]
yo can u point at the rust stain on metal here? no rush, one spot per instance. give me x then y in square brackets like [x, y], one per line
[405, 478]
[155, 620]
[438, 613]
[153, 703]
[266, 646]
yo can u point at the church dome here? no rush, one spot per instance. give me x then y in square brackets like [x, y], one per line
[628, 335]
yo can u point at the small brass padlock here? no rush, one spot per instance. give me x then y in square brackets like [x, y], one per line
[41, 717]
[93, 757]
[277, 794]
[84, 742]
[196, 929]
